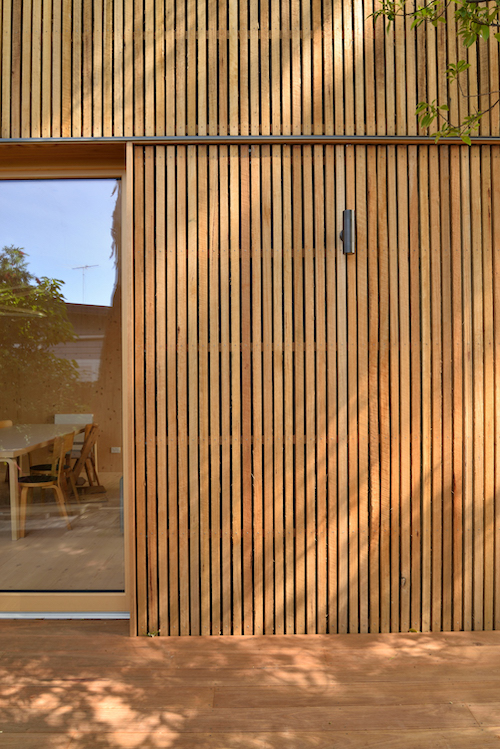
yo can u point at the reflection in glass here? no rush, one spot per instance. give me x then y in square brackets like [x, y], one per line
[60, 364]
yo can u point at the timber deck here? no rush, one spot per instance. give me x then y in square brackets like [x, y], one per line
[87, 684]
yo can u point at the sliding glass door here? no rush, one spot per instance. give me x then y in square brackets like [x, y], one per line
[61, 379]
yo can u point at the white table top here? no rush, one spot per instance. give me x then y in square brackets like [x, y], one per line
[23, 438]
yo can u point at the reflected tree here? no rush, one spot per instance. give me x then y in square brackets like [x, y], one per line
[35, 382]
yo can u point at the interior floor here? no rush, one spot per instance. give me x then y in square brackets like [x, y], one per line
[89, 557]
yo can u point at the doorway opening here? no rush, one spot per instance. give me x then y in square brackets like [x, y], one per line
[61, 382]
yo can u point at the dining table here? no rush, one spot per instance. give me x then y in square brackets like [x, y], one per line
[19, 440]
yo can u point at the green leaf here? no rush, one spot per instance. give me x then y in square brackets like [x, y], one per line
[466, 139]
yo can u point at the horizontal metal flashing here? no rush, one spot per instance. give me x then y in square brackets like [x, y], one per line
[64, 615]
[258, 140]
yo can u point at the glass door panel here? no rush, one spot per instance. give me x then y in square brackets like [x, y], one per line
[60, 375]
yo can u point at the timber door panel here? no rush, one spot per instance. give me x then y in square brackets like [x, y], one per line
[315, 432]
[241, 333]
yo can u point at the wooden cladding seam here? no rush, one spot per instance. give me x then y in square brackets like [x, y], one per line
[92, 68]
[316, 443]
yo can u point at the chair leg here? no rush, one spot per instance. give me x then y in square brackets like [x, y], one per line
[91, 472]
[94, 469]
[64, 483]
[62, 506]
[88, 471]
[73, 486]
[68, 475]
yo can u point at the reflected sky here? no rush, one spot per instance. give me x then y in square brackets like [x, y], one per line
[63, 224]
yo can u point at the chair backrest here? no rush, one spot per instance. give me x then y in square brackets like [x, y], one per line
[62, 446]
[5, 423]
[57, 457]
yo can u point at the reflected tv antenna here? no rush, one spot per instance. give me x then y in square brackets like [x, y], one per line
[84, 268]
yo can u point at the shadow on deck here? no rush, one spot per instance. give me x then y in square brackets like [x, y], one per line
[72, 684]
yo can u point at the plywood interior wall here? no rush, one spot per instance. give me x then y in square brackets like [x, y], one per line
[105, 400]
[319, 429]
[196, 67]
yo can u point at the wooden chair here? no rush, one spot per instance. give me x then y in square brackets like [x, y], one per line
[83, 419]
[86, 457]
[46, 481]
[46, 469]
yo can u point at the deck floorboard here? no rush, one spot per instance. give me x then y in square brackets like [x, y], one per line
[76, 684]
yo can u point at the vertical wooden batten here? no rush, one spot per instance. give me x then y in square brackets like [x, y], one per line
[128, 387]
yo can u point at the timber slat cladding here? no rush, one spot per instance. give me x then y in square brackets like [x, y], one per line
[318, 429]
[315, 435]
[196, 67]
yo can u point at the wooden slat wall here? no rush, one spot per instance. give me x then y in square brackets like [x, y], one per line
[316, 443]
[329, 461]
[196, 67]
